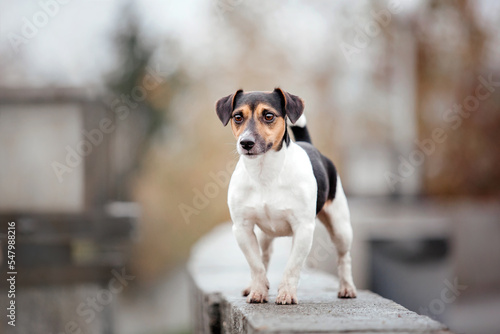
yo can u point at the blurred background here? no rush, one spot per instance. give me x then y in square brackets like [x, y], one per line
[113, 162]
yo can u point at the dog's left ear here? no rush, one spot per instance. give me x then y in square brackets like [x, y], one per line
[225, 106]
[293, 106]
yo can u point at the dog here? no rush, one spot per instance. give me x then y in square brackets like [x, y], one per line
[281, 186]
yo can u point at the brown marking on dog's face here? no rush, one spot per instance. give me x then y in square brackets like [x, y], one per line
[238, 128]
[258, 122]
[258, 119]
[273, 131]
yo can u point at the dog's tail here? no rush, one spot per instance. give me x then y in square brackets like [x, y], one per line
[300, 131]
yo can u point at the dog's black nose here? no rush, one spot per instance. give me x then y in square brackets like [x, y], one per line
[247, 144]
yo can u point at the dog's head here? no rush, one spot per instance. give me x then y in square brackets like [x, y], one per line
[258, 119]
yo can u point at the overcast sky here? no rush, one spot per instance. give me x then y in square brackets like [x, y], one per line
[69, 44]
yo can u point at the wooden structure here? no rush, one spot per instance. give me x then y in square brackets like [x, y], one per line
[65, 155]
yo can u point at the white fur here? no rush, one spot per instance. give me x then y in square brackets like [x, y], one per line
[301, 122]
[336, 218]
[277, 192]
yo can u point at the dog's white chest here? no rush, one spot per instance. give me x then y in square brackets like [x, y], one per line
[271, 211]
[275, 202]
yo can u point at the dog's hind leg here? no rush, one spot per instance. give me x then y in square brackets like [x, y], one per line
[336, 218]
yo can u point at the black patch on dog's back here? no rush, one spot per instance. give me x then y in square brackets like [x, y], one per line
[324, 172]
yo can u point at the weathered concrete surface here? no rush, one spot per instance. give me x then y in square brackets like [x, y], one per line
[219, 272]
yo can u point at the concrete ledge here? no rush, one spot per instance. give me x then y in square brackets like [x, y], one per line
[219, 273]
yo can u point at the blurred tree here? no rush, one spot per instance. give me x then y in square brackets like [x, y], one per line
[451, 55]
[147, 94]
[154, 175]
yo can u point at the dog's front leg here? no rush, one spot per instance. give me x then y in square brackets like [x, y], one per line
[302, 242]
[247, 241]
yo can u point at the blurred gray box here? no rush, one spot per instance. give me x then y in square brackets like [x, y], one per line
[32, 139]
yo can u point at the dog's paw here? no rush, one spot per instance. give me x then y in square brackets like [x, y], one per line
[347, 291]
[257, 296]
[246, 292]
[286, 297]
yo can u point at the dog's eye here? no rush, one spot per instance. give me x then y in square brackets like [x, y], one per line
[269, 117]
[238, 118]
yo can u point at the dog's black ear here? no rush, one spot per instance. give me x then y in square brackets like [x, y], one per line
[293, 106]
[225, 106]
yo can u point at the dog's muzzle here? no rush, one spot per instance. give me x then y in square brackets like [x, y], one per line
[250, 145]
[247, 144]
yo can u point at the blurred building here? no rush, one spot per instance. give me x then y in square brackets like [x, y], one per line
[63, 154]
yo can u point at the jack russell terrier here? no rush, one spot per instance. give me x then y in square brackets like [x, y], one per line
[281, 186]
